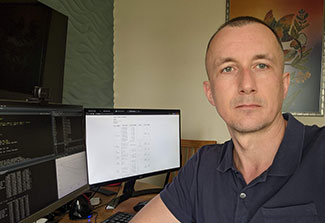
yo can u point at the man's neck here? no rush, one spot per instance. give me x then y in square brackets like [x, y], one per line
[254, 152]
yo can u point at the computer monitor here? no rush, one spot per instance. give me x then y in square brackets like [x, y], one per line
[128, 144]
[32, 49]
[42, 159]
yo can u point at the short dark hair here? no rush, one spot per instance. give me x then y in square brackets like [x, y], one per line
[241, 21]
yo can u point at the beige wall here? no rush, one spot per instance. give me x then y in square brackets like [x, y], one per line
[159, 48]
[159, 60]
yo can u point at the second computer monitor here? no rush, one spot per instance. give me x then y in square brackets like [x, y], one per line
[131, 143]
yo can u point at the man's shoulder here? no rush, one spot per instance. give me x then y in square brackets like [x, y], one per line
[314, 139]
[315, 132]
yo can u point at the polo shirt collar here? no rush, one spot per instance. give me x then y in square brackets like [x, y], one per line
[226, 162]
[288, 156]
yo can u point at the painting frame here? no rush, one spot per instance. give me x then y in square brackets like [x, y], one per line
[319, 84]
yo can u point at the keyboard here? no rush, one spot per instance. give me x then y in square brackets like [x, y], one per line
[119, 217]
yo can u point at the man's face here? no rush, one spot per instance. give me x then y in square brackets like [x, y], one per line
[246, 81]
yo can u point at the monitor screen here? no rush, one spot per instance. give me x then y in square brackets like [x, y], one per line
[32, 49]
[127, 143]
[42, 159]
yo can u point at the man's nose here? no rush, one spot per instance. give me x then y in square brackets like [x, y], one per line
[247, 82]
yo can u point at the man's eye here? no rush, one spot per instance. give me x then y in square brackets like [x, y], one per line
[262, 66]
[227, 69]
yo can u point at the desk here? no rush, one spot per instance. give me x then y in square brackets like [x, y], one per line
[126, 206]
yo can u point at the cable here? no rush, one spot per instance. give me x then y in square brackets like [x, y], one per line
[95, 213]
[94, 192]
[101, 205]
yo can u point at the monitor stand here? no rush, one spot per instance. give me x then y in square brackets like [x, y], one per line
[129, 192]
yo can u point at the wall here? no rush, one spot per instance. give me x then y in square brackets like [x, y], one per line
[159, 61]
[88, 75]
[159, 49]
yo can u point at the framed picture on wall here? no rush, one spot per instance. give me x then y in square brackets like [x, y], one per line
[300, 26]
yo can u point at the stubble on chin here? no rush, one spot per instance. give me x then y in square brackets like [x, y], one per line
[245, 127]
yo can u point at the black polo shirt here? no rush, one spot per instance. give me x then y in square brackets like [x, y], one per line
[210, 189]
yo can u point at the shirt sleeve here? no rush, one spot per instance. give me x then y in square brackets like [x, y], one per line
[179, 195]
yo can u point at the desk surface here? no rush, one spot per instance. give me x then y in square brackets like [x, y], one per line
[126, 206]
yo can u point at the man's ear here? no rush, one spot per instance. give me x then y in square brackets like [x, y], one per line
[286, 84]
[208, 92]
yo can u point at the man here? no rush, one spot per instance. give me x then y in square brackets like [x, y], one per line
[272, 169]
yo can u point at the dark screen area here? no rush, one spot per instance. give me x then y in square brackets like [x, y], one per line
[19, 132]
[32, 50]
[26, 190]
[69, 134]
[34, 173]
[23, 39]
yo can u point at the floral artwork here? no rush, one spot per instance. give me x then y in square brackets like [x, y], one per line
[300, 29]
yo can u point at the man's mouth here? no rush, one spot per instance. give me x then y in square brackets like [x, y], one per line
[248, 106]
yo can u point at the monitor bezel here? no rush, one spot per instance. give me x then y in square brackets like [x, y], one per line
[55, 205]
[133, 111]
